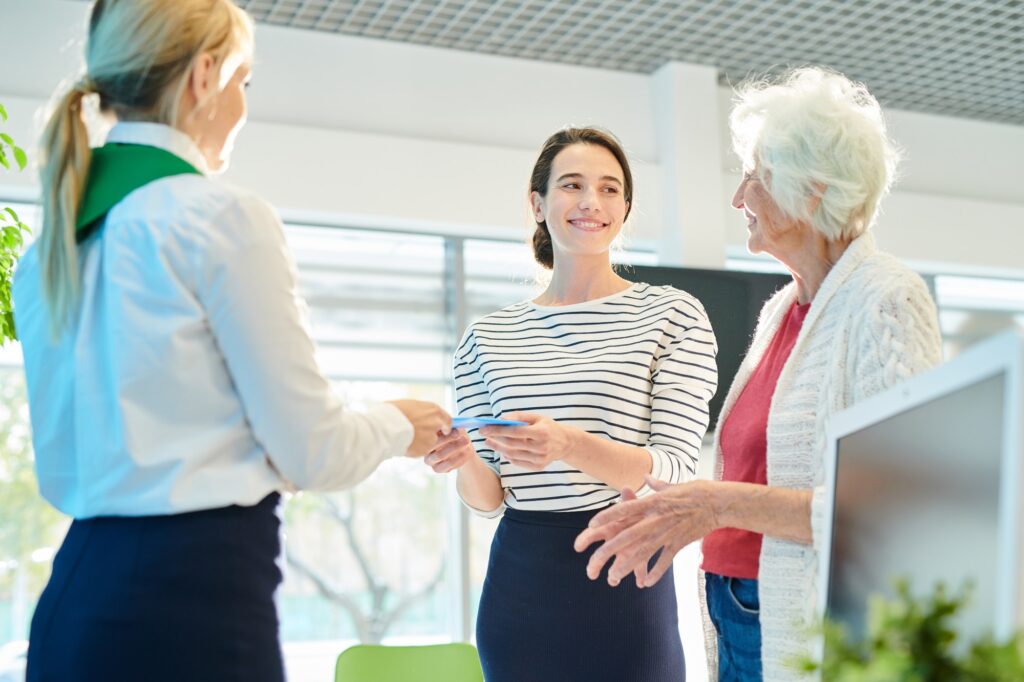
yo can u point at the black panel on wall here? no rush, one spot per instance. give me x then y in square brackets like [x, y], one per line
[732, 300]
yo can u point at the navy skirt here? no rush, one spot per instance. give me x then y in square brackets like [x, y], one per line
[179, 597]
[541, 619]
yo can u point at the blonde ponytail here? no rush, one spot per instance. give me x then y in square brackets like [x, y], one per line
[138, 59]
[66, 155]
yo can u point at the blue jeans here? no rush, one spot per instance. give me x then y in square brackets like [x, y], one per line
[735, 612]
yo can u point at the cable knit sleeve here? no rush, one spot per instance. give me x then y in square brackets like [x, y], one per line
[896, 336]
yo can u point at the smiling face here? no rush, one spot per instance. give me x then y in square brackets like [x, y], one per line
[585, 203]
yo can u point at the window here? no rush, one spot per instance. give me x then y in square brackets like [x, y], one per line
[370, 563]
[30, 529]
[973, 308]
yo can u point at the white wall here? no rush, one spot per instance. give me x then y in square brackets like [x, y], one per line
[366, 132]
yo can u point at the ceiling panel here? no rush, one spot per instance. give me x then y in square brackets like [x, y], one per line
[962, 58]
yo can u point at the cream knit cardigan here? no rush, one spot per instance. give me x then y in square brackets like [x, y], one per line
[871, 325]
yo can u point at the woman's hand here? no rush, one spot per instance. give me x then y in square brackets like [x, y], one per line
[534, 446]
[428, 421]
[627, 494]
[479, 486]
[635, 529]
[452, 451]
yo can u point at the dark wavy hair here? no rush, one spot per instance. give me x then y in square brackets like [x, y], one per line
[542, 248]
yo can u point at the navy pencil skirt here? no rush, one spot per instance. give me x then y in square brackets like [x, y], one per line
[542, 620]
[160, 598]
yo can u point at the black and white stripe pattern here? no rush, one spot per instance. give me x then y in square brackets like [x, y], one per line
[637, 367]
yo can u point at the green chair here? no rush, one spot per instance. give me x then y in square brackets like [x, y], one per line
[434, 663]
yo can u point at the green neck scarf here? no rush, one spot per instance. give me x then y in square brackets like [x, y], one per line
[115, 171]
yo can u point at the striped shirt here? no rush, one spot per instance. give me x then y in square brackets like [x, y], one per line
[636, 367]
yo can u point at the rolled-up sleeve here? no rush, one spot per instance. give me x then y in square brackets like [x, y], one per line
[684, 379]
[472, 400]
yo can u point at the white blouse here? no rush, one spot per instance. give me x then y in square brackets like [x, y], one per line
[186, 379]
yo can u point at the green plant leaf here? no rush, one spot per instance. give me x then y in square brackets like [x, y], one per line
[12, 238]
[911, 639]
[9, 332]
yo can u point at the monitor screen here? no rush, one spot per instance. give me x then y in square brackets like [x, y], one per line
[917, 495]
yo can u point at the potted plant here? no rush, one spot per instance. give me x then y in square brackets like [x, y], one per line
[12, 234]
[912, 639]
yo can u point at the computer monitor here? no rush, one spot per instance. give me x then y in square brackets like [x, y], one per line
[926, 484]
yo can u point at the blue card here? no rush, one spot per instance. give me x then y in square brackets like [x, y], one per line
[477, 422]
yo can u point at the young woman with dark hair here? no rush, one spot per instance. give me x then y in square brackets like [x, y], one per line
[613, 381]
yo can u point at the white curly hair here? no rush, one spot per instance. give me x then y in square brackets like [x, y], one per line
[812, 131]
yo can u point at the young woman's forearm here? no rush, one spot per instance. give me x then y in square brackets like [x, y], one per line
[615, 464]
[778, 512]
[479, 486]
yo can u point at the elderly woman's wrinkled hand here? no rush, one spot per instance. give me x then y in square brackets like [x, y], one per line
[635, 529]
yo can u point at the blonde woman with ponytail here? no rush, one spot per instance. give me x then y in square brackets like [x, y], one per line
[172, 384]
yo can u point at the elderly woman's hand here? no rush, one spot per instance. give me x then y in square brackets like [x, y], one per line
[635, 529]
[534, 446]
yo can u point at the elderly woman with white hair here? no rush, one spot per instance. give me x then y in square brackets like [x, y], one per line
[816, 160]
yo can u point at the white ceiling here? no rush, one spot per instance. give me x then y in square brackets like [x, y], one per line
[959, 58]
